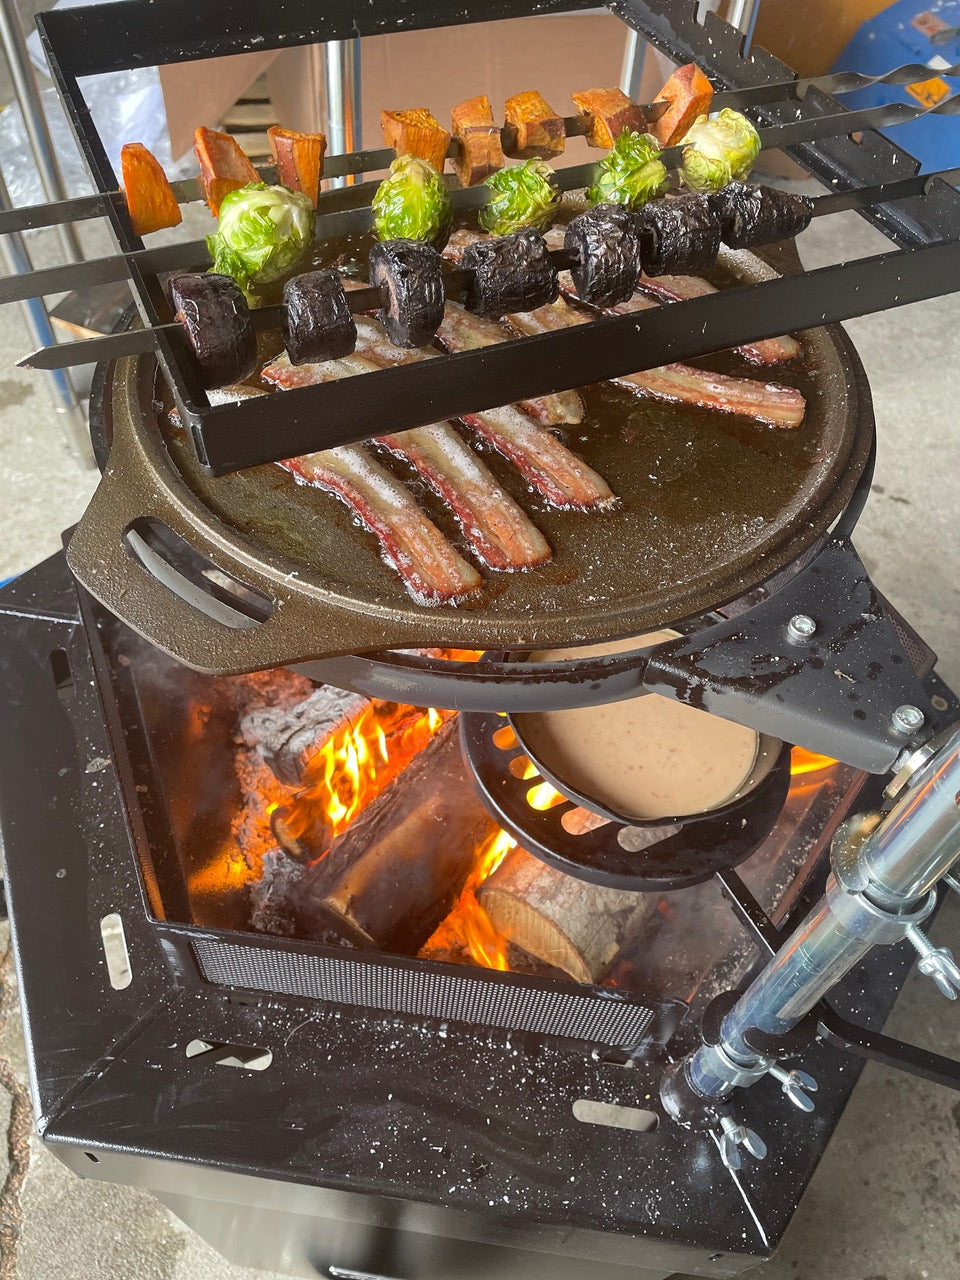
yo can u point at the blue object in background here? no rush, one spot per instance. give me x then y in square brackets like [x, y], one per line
[910, 32]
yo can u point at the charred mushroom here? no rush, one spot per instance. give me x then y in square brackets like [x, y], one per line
[317, 324]
[215, 315]
[679, 236]
[408, 275]
[604, 248]
[512, 273]
[750, 216]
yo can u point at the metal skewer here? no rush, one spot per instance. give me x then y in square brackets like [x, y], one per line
[142, 341]
[190, 190]
[194, 255]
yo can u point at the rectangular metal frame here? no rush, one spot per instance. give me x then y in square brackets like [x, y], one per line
[92, 41]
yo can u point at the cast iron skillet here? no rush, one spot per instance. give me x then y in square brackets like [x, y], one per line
[711, 506]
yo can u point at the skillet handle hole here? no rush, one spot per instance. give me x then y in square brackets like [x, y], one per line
[190, 575]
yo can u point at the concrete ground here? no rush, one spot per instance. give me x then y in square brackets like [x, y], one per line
[883, 1204]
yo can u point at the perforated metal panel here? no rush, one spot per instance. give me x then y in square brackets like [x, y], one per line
[597, 1016]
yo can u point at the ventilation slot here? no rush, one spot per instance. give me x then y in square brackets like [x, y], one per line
[115, 952]
[587, 1111]
[247, 1057]
[62, 675]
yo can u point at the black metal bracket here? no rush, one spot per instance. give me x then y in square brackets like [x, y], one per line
[835, 691]
[832, 1026]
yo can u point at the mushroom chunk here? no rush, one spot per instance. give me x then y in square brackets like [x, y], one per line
[679, 236]
[409, 277]
[215, 315]
[317, 324]
[510, 273]
[751, 216]
[604, 249]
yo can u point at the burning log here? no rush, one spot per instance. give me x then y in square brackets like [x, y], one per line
[566, 923]
[390, 878]
[287, 737]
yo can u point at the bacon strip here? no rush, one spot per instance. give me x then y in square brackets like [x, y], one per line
[663, 288]
[498, 530]
[461, 331]
[555, 472]
[677, 288]
[433, 571]
[766, 402]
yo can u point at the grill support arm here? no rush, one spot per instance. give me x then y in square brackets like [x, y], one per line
[884, 873]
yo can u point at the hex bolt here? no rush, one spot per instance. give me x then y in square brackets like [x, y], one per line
[800, 628]
[796, 1085]
[907, 719]
[935, 962]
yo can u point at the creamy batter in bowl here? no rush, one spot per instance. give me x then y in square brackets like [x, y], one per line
[645, 759]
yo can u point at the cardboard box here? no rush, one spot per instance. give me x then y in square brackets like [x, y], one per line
[809, 34]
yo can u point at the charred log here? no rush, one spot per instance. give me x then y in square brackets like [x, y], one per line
[287, 737]
[395, 873]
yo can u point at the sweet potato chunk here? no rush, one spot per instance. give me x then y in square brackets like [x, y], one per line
[610, 112]
[689, 93]
[415, 132]
[150, 199]
[223, 166]
[480, 152]
[540, 132]
[299, 159]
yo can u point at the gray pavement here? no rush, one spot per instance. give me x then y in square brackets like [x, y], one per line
[883, 1204]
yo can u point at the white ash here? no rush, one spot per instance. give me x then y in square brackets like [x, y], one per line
[273, 896]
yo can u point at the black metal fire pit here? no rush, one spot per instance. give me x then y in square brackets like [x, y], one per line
[381, 1137]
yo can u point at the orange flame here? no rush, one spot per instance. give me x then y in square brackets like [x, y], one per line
[803, 761]
[357, 763]
[487, 947]
[543, 796]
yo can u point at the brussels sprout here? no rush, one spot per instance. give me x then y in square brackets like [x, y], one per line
[413, 203]
[525, 195]
[261, 234]
[631, 173]
[719, 149]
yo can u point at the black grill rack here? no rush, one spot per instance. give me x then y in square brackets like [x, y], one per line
[92, 41]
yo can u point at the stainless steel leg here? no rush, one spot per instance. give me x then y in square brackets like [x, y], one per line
[632, 68]
[742, 14]
[31, 105]
[341, 66]
[68, 408]
[882, 887]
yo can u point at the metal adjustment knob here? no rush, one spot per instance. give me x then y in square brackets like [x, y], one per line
[936, 962]
[733, 1136]
[796, 1084]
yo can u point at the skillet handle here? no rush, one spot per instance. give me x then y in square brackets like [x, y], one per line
[137, 584]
